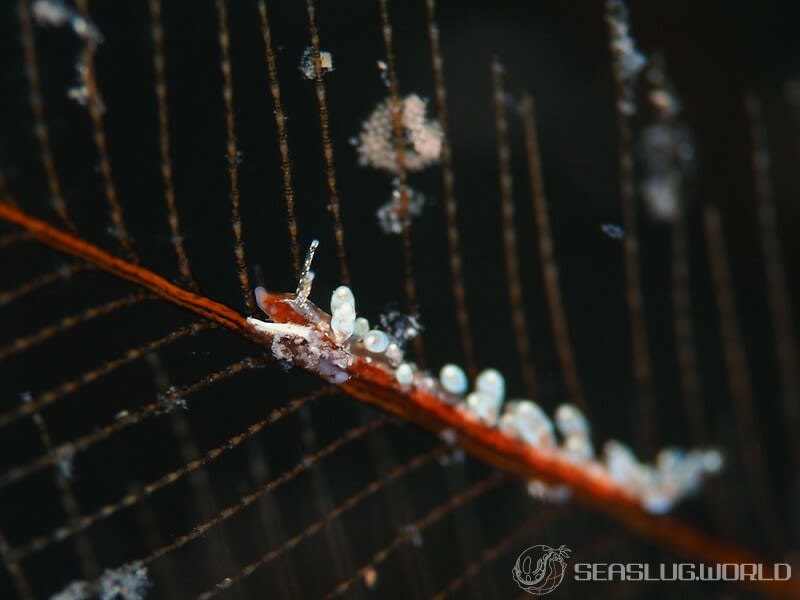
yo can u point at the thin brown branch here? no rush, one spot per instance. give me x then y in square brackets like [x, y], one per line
[28, 41]
[739, 382]
[398, 136]
[233, 157]
[96, 108]
[780, 305]
[157, 35]
[84, 316]
[552, 287]
[330, 516]
[450, 202]
[327, 144]
[283, 138]
[60, 534]
[515, 300]
[433, 516]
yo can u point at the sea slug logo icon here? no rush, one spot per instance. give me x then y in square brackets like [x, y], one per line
[540, 569]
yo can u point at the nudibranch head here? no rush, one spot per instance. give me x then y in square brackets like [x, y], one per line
[285, 308]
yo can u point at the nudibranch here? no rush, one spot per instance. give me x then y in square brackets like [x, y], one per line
[367, 362]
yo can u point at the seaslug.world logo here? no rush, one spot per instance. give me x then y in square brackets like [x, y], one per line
[540, 569]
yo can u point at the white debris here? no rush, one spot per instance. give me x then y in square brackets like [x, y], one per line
[454, 457]
[55, 13]
[383, 68]
[615, 232]
[422, 137]
[170, 400]
[306, 65]
[628, 61]
[667, 157]
[392, 218]
[400, 327]
[548, 493]
[77, 590]
[128, 582]
[666, 150]
[52, 13]
[449, 436]
[66, 456]
[413, 534]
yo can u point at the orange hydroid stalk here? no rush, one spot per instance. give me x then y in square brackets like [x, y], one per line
[161, 287]
[364, 365]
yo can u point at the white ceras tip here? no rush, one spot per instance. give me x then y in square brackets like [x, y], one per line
[453, 379]
[571, 421]
[343, 322]
[621, 463]
[492, 383]
[484, 406]
[376, 341]
[578, 448]
[486, 400]
[404, 374]
[524, 420]
[361, 328]
[342, 295]
[394, 354]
